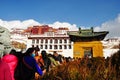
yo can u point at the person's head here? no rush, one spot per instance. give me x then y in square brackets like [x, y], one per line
[43, 53]
[55, 53]
[37, 49]
[13, 51]
[50, 55]
[30, 51]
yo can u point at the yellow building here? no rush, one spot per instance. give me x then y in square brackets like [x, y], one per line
[87, 43]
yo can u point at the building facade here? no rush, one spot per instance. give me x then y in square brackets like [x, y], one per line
[87, 43]
[52, 40]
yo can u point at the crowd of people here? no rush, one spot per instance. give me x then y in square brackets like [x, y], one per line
[29, 65]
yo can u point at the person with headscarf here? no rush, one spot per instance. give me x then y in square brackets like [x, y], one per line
[31, 65]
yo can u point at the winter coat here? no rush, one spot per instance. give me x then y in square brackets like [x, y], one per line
[4, 71]
[30, 61]
[27, 67]
[12, 61]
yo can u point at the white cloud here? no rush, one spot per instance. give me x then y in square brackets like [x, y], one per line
[113, 26]
[31, 22]
[58, 24]
[18, 24]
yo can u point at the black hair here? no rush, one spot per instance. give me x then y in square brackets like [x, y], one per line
[29, 51]
[37, 48]
[13, 51]
[44, 54]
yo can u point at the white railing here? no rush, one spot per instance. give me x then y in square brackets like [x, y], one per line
[48, 35]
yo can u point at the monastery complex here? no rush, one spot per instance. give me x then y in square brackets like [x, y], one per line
[76, 44]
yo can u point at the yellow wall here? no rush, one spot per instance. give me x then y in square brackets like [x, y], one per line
[96, 46]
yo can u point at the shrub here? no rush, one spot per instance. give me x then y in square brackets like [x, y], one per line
[97, 68]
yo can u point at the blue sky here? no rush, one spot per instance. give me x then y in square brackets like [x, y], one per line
[80, 12]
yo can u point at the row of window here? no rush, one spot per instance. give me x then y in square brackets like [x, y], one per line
[54, 46]
[51, 41]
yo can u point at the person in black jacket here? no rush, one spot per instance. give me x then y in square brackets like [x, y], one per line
[47, 61]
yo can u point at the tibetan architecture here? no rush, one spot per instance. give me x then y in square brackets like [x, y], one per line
[87, 43]
[51, 40]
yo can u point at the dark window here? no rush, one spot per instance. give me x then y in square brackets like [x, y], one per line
[60, 40]
[37, 41]
[50, 46]
[46, 41]
[65, 41]
[41, 40]
[69, 46]
[50, 40]
[41, 46]
[60, 46]
[56, 41]
[45, 46]
[55, 47]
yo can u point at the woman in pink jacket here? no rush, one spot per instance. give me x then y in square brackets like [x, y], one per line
[12, 61]
[4, 71]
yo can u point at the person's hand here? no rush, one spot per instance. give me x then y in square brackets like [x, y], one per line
[44, 71]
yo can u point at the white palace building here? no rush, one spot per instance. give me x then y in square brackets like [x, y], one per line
[52, 41]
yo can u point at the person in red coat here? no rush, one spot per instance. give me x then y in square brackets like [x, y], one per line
[4, 71]
[12, 61]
